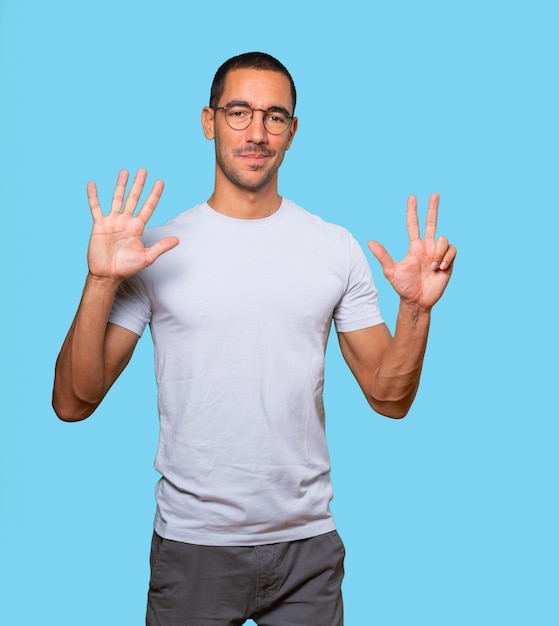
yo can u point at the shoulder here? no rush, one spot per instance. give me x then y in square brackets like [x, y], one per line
[318, 235]
[184, 221]
[316, 224]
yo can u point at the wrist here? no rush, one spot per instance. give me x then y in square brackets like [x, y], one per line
[415, 310]
[102, 283]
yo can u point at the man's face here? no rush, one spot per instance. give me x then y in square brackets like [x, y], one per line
[250, 158]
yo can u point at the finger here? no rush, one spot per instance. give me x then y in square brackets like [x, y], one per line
[93, 200]
[432, 213]
[448, 259]
[166, 244]
[382, 256]
[120, 189]
[411, 218]
[152, 200]
[135, 191]
[439, 251]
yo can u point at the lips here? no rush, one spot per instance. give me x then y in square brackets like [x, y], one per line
[256, 154]
[254, 157]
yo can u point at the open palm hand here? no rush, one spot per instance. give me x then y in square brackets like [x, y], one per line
[116, 248]
[422, 276]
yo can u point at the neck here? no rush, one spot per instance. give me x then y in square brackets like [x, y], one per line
[245, 204]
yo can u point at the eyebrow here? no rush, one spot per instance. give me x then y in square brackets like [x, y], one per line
[273, 109]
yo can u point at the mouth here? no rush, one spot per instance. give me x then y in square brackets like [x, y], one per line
[251, 153]
[255, 160]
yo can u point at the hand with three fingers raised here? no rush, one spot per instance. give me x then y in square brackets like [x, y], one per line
[422, 276]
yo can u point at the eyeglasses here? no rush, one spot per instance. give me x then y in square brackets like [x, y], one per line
[240, 116]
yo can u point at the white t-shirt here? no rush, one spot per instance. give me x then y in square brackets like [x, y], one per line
[240, 313]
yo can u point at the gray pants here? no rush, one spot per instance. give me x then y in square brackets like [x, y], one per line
[296, 583]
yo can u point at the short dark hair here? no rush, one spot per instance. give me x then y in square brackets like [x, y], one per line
[248, 61]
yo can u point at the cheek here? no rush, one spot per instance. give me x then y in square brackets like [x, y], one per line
[228, 148]
[281, 149]
[284, 142]
[223, 149]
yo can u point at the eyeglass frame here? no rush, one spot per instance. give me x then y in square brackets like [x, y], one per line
[270, 110]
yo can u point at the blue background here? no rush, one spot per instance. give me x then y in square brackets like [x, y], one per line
[449, 516]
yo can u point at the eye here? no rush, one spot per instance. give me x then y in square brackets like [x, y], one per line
[276, 118]
[239, 113]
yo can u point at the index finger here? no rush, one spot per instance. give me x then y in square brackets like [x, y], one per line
[432, 213]
[411, 218]
[151, 202]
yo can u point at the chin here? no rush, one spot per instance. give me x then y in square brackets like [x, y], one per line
[252, 183]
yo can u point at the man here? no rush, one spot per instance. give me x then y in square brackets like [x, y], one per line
[240, 313]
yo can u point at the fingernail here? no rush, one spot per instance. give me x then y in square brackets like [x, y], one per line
[434, 265]
[444, 265]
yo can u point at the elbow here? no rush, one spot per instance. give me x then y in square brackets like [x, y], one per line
[389, 409]
[71, 405]
[70, 416]
[394, 408]
[393, 402]
[70, 412]
[397, 414]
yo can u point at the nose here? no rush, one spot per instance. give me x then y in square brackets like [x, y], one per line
[256, 132]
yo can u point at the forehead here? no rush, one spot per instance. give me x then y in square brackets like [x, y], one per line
[259, 88]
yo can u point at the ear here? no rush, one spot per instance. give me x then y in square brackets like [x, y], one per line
[208, 118]
[292, 131]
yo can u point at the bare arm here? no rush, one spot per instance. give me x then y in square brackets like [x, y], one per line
[388, 369]
[92, 356]
[95, 352]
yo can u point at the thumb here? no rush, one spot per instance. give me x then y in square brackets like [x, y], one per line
[159, 248]
[381, 255]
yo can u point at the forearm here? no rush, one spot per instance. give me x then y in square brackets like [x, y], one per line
[80, 374]
[395, 383]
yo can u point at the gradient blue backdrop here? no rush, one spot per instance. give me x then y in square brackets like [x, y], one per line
[449, 516]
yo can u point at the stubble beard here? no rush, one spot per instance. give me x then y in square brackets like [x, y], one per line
[240, 178]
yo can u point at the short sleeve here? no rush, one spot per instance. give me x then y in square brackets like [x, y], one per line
[358, 308]
[132, 306]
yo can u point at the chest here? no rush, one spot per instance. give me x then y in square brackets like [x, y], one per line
[248, 281]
